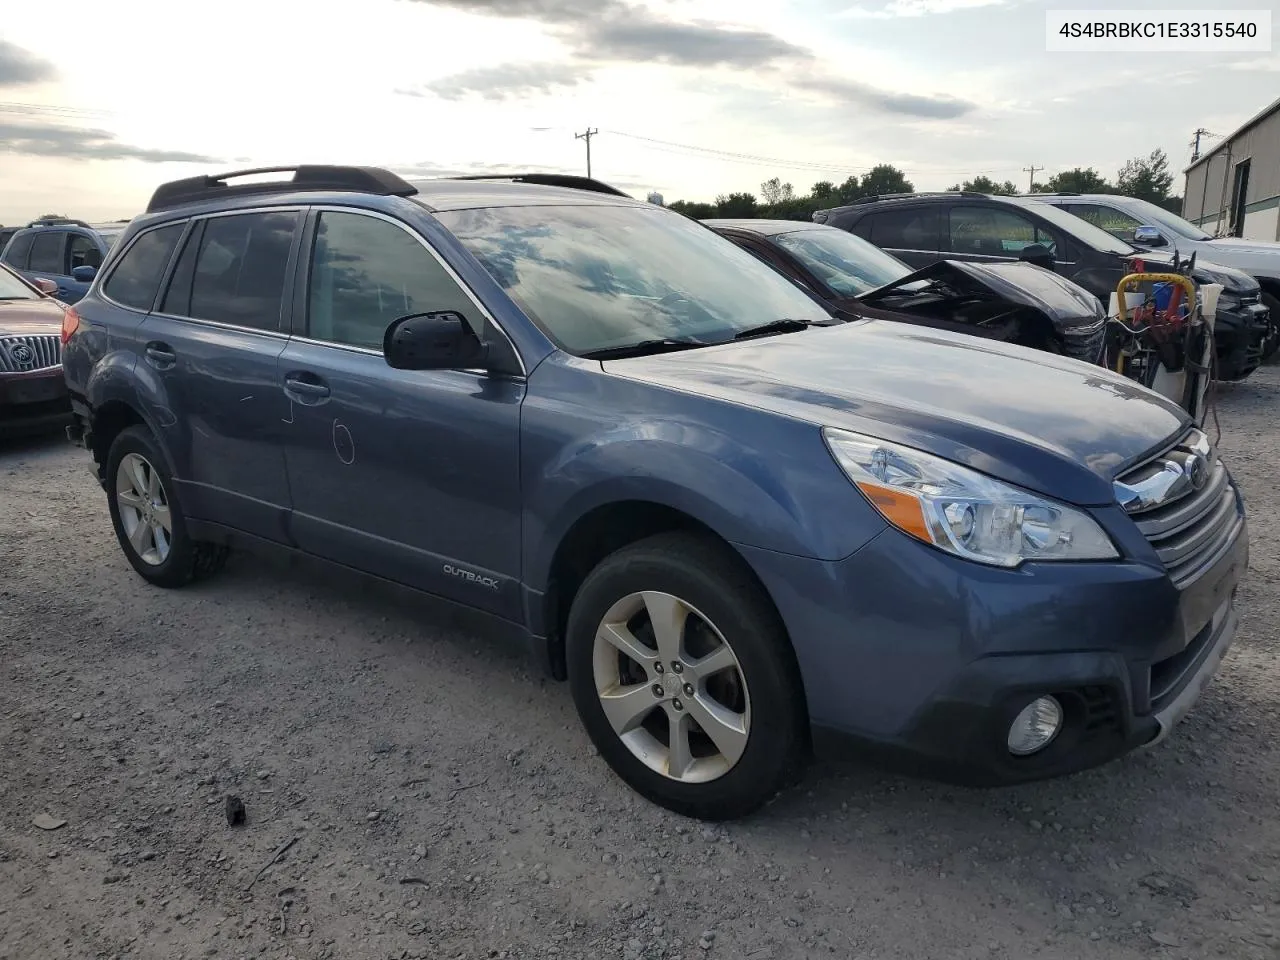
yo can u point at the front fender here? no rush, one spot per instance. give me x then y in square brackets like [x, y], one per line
[753, 477]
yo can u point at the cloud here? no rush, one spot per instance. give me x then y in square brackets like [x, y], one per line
[917, 8]
[604, 31]
[616, 30]
[80, 143]
[1257, 64]
[506, 81]
[940, 107]
[19, 68]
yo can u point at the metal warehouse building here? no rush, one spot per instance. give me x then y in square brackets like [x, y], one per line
[1234, 189]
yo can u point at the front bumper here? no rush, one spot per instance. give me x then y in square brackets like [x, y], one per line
[33, 402]
[922, 661]
[1240, 332]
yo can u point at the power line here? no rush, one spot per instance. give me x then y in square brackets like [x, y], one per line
[759, 160]
[1031, 182]
[587, 137]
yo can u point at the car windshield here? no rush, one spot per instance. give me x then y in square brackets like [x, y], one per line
[1082, 230]
[599, 277]
[11, 288]
[1152, 215]
[847, 264]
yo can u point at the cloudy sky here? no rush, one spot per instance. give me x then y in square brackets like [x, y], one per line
[690, 97]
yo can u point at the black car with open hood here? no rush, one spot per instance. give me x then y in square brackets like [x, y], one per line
[1011, 302]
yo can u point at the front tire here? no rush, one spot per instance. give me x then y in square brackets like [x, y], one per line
[685, 679]
[147, 515]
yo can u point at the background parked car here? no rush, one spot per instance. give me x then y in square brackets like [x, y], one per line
[68, 252]
[1012, 302]
[924, 228]
[1150, 227]
[5, 234]
[33, 393]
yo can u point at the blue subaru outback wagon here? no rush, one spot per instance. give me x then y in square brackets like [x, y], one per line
[741, 529]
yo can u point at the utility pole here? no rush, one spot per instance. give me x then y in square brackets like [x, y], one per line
[1031, 183]
[1195, 144]
[587, 137]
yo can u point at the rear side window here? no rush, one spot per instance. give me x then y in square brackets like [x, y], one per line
[48, 252]
[136, 278]
[240, 269]
[913, 229]
[16, 253]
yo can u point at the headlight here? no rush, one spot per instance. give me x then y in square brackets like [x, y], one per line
[962, 511]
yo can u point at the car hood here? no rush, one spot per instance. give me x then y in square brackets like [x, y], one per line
[1064, 302]
[26, 317]
[1060, 427]
[1206, 271]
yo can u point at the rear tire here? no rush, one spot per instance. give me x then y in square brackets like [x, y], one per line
[707, 718]
[147, 515]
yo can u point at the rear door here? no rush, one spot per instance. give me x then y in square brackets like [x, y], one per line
[913, 234]
[210, 351]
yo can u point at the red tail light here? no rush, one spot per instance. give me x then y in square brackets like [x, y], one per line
[70, 324]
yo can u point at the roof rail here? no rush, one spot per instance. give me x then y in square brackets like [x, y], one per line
[549, 180]
[57, 222]
[373, 180]
[922, 193]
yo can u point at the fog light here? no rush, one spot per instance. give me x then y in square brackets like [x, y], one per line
[1035, 727]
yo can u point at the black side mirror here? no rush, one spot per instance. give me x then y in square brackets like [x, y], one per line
[1149, 236]
[1038, 254]
[83, 274]
[442, 340]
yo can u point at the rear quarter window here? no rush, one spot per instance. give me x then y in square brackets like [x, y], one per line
[918, 228]
[135, 280]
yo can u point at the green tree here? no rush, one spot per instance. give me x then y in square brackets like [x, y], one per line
[773, 191]
[1076, 180]
[736, 205]
[695, 211]
[984, 184]
[884, 178]
[1147, 178]
[823, 190]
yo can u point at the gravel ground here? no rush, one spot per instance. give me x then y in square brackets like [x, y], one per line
[422, 795]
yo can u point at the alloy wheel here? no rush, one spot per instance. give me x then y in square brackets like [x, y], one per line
[144, 509]
[671, 687]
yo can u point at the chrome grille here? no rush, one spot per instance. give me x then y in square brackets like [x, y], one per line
[1184, 503]
[24, 354]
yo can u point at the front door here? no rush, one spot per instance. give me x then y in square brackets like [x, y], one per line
[409, 475]
[212, 348]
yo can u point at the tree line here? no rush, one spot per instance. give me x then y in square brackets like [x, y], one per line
[1147, 178]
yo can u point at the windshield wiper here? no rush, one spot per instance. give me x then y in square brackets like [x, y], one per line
[785, 325]
[644, 348]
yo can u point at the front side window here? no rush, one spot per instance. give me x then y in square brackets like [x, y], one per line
[48, 252]
[992, 232]
[597, 276]
[84, 252]
[845, 263]
[240, 269]
[1115, 222]
[1081, 230]
[17, 251]
[367, 273]
[136, 278]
